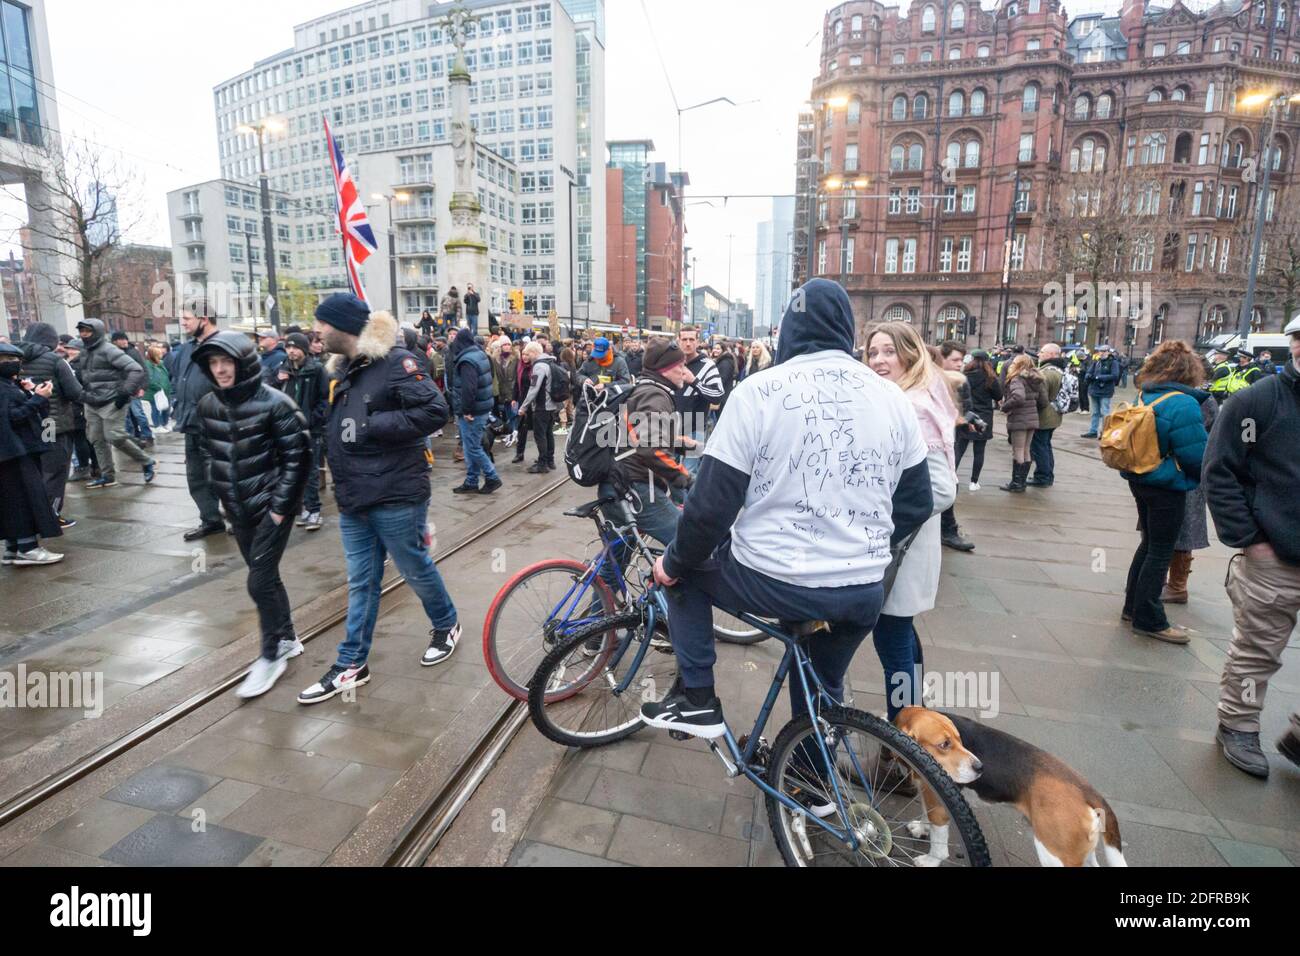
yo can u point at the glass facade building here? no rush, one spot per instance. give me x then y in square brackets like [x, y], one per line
[20, 115]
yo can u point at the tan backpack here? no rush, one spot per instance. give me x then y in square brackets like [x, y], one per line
[1129, 440]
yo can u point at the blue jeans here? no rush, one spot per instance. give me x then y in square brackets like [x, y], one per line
[1100, 409]
[658, 520]
[694, 457]
[899, 651]
[137, 421]
[1040, 448]
[724, 581]
[368, 537]
[471, 442]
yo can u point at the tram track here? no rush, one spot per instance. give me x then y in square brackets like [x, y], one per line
[421, 834]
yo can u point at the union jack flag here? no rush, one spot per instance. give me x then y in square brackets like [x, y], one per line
[353, 225]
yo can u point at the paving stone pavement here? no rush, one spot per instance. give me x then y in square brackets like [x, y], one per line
[1036, 608]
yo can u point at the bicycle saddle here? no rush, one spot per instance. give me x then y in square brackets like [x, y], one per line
[589, 509]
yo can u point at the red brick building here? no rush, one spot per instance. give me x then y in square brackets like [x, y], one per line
[1037, 122]
[644, 237]
[140, 297]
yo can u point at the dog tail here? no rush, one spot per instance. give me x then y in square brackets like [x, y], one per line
[1106, 835]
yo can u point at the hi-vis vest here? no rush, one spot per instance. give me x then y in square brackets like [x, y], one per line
[1241, 378]
[1220, 385]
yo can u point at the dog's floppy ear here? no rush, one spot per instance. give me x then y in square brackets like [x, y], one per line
[906, 720]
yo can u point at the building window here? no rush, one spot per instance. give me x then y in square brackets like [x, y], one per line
[1198, 197]
[927, 20]
[957, 18]
[920, 106]
[897, 313]
[899, 110]
[945, 255]
[1204, 157]
[909, 255]
[855, 111]
[983, 51]
[977, 103]
[968, 199]
[895, 201]
[891, 256]
[1190, 262]
[1026, 147]
[913, 200]
[972, 154]
[1029, 99]
[1081, 107]
[949, 198]
[956, 103]
[1158, 49]
[20, 115]
[1012, 330]
[848, 257]
[851, 158]
[821, 258]
[964, 254]
[954, 53]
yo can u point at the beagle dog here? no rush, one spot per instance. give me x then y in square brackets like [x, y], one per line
[1069, 818]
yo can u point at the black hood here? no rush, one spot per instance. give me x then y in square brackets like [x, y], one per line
[1291, 376]
[818, 319]
[97, 332]
[42, 333]
[463, 342]
[239, 347]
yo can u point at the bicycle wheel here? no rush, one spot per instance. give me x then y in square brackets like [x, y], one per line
[882, 776]
[596, 714]
[519, 628]
[732, 630]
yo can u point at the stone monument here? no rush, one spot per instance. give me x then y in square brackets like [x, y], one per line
[466, 260]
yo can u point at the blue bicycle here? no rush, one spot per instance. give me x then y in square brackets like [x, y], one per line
[842, 787]
[551, 599]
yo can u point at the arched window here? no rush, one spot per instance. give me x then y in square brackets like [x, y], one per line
[1081, 107]
[1156, 96]
[899, 57]
[1209, 98]
[954, 154]
[1183, 148]
[1281, 14]
[927, 20]
[972, 154]
[1263, 12]
[920, 106]
[897, 313]
[1029, 99]
[927, 56]
[857, 23]
[1179, 94]
[1158, 49]
[951, 323]
[1084, 156]
[839, 27]
[956, 103]
[855, 111]
[1153, 149]
[915, 156]
[1279, 147]
[1104, 106]
[983, 50]
[897, 158]
[1158, 325]
[977, 103]
[957, 18]
[954, 53]
[899, 110]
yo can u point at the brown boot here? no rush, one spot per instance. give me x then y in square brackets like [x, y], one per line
[1180, 568]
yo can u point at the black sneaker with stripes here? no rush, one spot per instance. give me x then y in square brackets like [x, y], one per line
[676, 712]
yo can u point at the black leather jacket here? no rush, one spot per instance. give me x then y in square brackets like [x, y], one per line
[255, 434]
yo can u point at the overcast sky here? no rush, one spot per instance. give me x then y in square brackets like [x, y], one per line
[136, 77]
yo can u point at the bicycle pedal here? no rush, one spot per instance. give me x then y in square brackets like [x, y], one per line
[678, 735]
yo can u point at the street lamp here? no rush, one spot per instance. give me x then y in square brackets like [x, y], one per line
[1275, 101]
[268, 231]
[392, 199]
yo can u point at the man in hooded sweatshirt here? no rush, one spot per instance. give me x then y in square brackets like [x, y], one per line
[258, 443]
[828, 463]
[469, 385]
[42, 363]
[110, 381]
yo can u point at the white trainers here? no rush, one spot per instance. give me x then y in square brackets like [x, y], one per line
[441, 647]
[34, 558]
[303, 517]
[261, 677]
[289, 650]
[974, 486]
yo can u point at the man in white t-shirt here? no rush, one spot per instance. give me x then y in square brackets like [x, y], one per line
[827, 461]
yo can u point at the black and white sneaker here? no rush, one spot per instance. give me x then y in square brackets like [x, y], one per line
[336, 680]
[441, 647]
[676, 712]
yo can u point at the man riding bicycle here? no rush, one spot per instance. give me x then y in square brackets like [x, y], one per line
[827, 461]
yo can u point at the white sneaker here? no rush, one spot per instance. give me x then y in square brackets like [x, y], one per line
[261, 677]
[440, 650]
[302, 519]
[35, 558]
[289, 650]
[438, 433]
[974, 486]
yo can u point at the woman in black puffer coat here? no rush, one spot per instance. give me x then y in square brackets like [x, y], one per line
[258, 442]
[25, 512]
[985, 392]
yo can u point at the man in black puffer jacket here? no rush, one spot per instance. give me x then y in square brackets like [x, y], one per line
[382, 408]
[257, 440]
[42, 363]
[110, 381]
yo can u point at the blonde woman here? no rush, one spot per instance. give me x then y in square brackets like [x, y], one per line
[895, 352]
[759, 358]
[1026, 396]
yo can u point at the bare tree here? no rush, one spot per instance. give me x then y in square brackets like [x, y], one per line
[81, 209]
[1278, 277]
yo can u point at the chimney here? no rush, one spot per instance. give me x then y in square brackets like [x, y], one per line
[1131, 15]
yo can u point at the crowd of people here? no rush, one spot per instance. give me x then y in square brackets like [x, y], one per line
[775, 504]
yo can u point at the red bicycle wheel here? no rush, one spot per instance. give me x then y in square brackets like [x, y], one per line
[519, 631]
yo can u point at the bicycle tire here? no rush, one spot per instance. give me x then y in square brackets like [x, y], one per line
[731, 630]
[508, 677]
[963, 818]
[540, 708]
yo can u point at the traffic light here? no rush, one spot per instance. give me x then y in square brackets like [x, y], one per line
[517, 301]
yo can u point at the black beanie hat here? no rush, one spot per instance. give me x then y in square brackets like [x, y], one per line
[662, 354]
[297, 340]
[345, 312]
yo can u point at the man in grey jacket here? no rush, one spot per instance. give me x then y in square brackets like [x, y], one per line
[110, 381]
[189, 383]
